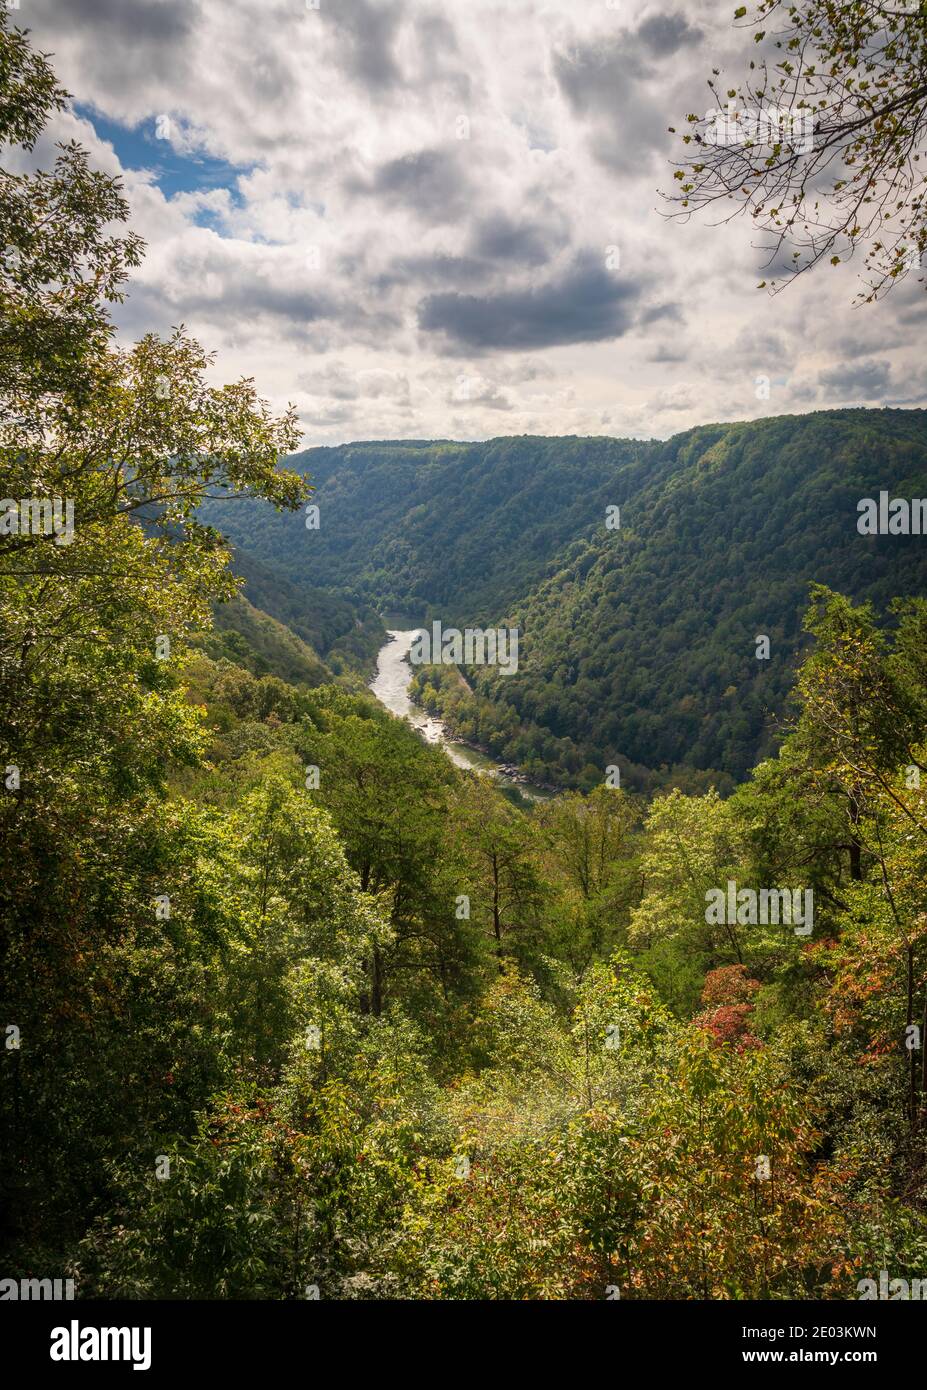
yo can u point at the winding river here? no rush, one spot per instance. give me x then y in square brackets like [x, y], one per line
[391, 687]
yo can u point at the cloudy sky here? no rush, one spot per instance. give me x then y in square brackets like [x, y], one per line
[441, 218]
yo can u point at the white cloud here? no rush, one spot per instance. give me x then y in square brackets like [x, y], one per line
[411, 191]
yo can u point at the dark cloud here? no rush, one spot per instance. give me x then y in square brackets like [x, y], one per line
[437, 269]
[127, 21]
[430, 183]
[341, 383]
[267, 79]
[668, 353]
[496, 241]
[481, 393]
[670, 313]
[498, 238]
[612, 86]
[367, 30]
[585, 305]
[663, 34]
[856, 380]
[240, 300]
[757, 347]
[910, 304]
[124, 43]
[595, 77]
[775, 262]
[254, 297]
[604, 84]
[438, 43]
[603, 78]
[332, 415]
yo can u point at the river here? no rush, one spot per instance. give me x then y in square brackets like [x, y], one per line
[391, 687]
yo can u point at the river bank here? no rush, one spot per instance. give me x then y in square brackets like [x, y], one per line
[391, 687]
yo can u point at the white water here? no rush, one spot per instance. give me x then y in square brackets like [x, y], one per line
[391, 687]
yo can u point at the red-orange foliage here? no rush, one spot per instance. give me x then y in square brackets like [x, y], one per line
[729, 984]
[728, 1024]
[727, 992]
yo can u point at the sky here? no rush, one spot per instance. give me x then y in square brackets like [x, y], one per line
[443, 218]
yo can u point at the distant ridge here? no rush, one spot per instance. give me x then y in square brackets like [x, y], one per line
[637, 644]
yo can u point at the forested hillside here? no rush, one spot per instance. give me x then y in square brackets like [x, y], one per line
[347, 635]
[638, 643]
[293, 1008]
[262, 645]
[466, 527]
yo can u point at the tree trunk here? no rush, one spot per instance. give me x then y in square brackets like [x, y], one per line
[856, 849]
[496, 914]
[912, 1079]
[376, 986]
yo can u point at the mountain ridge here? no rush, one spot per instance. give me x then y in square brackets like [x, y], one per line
[637, 644]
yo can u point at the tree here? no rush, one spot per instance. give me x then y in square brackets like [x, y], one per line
[501, 854]
[727, 996]
[861, 737]
[590, 853]
[389, 797]
[304, 928]
[822, 142]
[692, 845]
[674, 1189]
[108, 919]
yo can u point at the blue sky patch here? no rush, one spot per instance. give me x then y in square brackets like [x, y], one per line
[139, 148]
